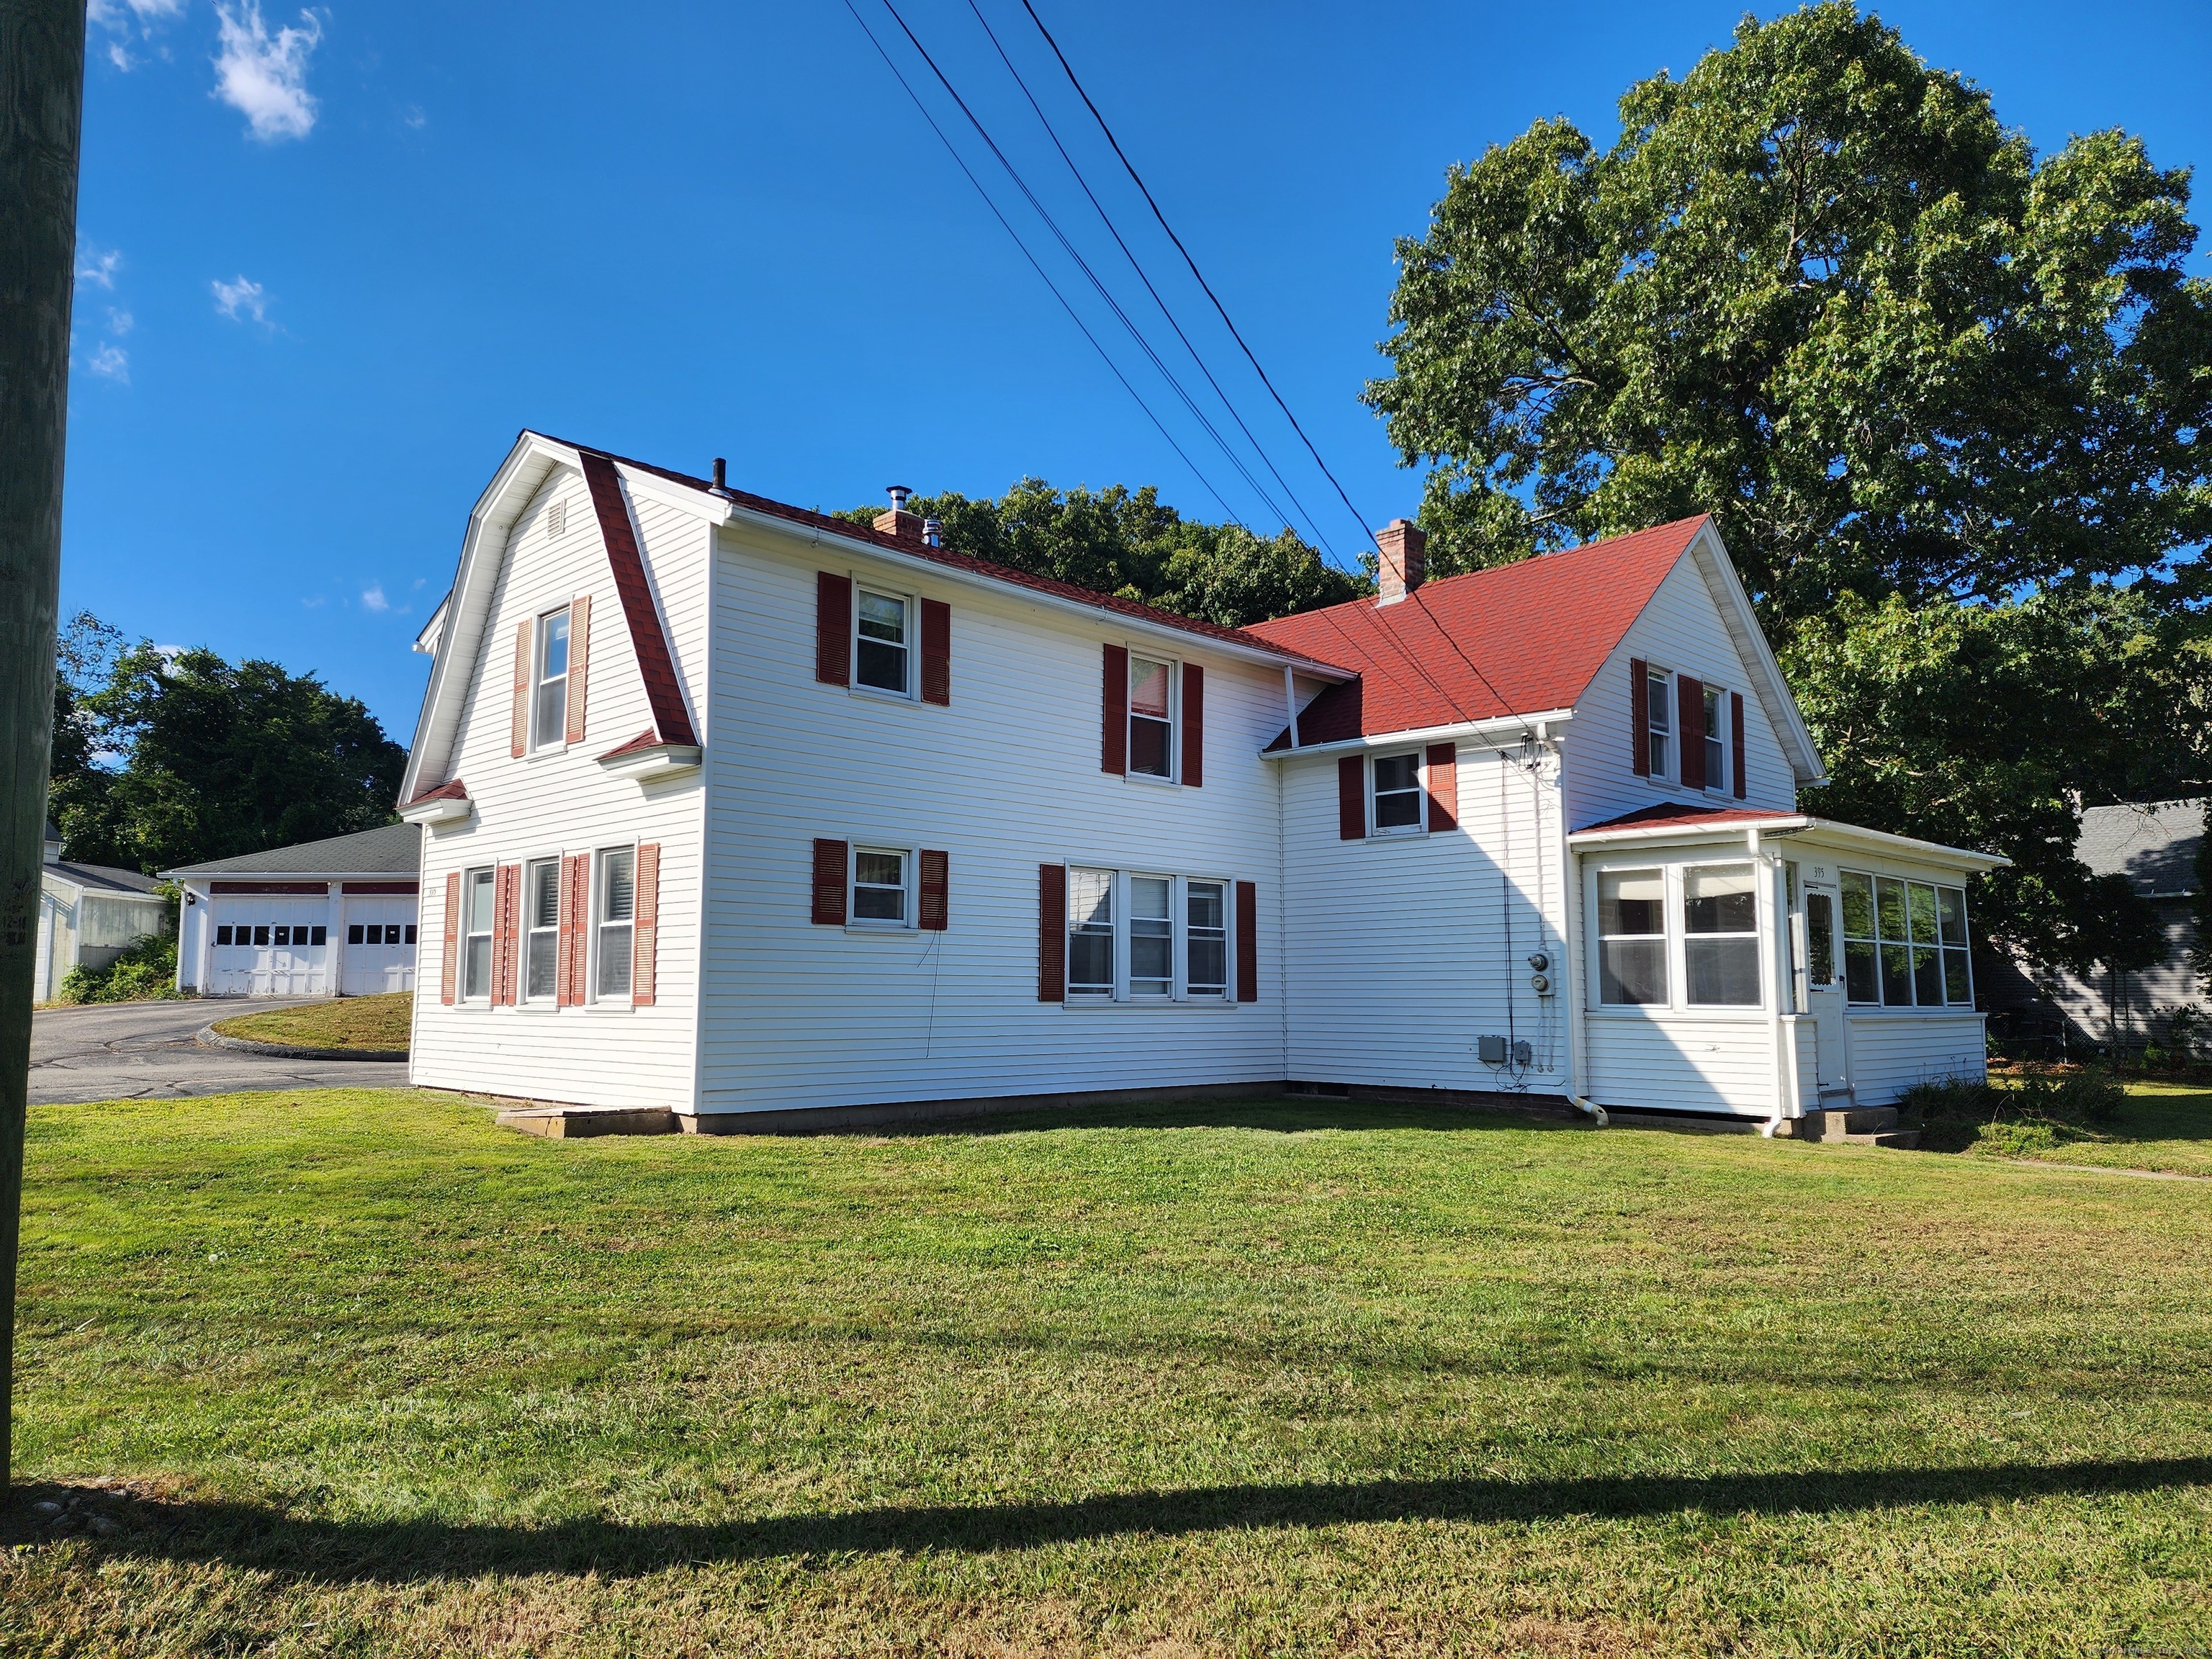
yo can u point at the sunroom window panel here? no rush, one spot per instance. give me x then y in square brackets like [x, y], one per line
[1151, 937]
[1861, 955]
[1720, 945]
[1632, 906]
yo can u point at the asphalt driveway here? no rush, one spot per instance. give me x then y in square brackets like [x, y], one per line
[145, 1051]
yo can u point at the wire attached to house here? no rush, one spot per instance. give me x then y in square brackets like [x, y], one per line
[1137, 265]
[1073, 316]
[1084, 265]
[1365, 529]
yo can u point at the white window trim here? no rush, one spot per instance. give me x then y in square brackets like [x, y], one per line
[1419, 826]
[1879, 1010]
[522, 997]
[1673, 862]
[913, 692]
[1150, 653]
[594, 886]
[1179, 995]
[1671, 773]
[1716, 779]
[1678, 924]
[911, 855]
[537, 680]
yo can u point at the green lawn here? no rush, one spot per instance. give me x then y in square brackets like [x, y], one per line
[1269, 1379]
[375, 1023]
[2164, 1126]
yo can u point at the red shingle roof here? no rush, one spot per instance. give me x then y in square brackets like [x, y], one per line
[913, 547]
[1668, 816]
[1515, 640]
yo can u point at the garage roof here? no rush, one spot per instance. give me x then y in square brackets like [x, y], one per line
[393, 849]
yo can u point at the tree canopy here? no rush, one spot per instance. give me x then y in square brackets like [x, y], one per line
[165, 759]
[1944, 398]
[1817, 290]
[1128, 543]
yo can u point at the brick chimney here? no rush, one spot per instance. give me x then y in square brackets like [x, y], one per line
[1405, 557]
[898, 522]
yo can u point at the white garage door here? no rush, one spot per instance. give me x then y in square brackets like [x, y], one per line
[379, 954]
[270, 947]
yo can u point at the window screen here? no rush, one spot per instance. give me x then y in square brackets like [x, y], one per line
[1720, 936]
[1631, 925]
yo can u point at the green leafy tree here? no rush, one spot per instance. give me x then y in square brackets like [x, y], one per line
[1127, 542]
[186, 757]
[1817, 290]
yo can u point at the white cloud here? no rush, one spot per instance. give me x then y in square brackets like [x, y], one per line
[110, 361]
[372, 598]
[413, 118]
[263, 76]
[233, 298]
[98, 268]
[120, 321]
[118, 17]
[315, 602]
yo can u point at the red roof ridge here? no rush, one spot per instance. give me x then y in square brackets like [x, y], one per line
[647, 738]
[453, 790]
[1004, 573]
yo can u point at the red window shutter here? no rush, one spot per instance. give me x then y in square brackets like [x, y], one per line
[833, 629]
[579, 662]
[505, 933]
[645, 932]
[1114, 728]
[1248, 942]
[1351, 797]
[936, 895]
[936, 652]
[1639, 717]
[579, 937]
[1052, 932]
[1443, 786]
[829, 863]
[518, 731]
[1690, 700]
[1193, 726]
[450, 971]
[565, 961]
[1735, 739]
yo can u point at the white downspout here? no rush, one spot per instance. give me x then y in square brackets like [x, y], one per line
[1769, 984]
[1568, 985]
[1291, 703]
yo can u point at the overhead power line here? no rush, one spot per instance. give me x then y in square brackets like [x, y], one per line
[1084, 265]
[1137, 265]
[1365, 529]
[1073, 316]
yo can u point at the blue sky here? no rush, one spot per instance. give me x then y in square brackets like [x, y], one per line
[333, 260]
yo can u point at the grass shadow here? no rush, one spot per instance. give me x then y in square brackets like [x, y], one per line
[1273, 1114]
[261, 1538]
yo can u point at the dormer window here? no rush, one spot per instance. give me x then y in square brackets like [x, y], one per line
[550, 696]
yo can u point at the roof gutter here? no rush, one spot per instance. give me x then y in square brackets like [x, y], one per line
[812, 537]
[1538, 724]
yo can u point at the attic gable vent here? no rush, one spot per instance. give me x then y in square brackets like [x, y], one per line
[556, 519]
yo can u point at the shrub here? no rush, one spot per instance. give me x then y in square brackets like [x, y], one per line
[146, 971]
[2036, 1114]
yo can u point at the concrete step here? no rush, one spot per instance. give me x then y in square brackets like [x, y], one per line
[1857, 1122]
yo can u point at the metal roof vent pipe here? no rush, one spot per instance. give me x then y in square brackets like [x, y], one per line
[721, 476]
[898, 522]
[1404, 546]
[933, 532]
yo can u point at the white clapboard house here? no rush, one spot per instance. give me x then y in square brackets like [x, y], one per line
[735, 809]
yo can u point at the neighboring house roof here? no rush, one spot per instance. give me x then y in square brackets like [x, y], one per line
[105, 878]
[392, 849]
[2153, 843]
[1517, 639]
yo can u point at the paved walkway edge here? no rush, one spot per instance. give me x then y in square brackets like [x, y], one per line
[208, 1038]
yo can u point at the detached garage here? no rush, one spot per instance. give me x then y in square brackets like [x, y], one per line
[324, 918]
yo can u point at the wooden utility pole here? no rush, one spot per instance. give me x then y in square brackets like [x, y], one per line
[41, 113]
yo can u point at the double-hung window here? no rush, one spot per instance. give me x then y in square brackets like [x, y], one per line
[1143, 937]
[1720, 936]
[879, 886]
[1632, 930]
[476, 908]
[541, 896]
[549, 700]
[1658, 720]
[1397, 792]
[1151, 717]
[615, 918]
[883, 634]
[1717, 746]
[1904, 943]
